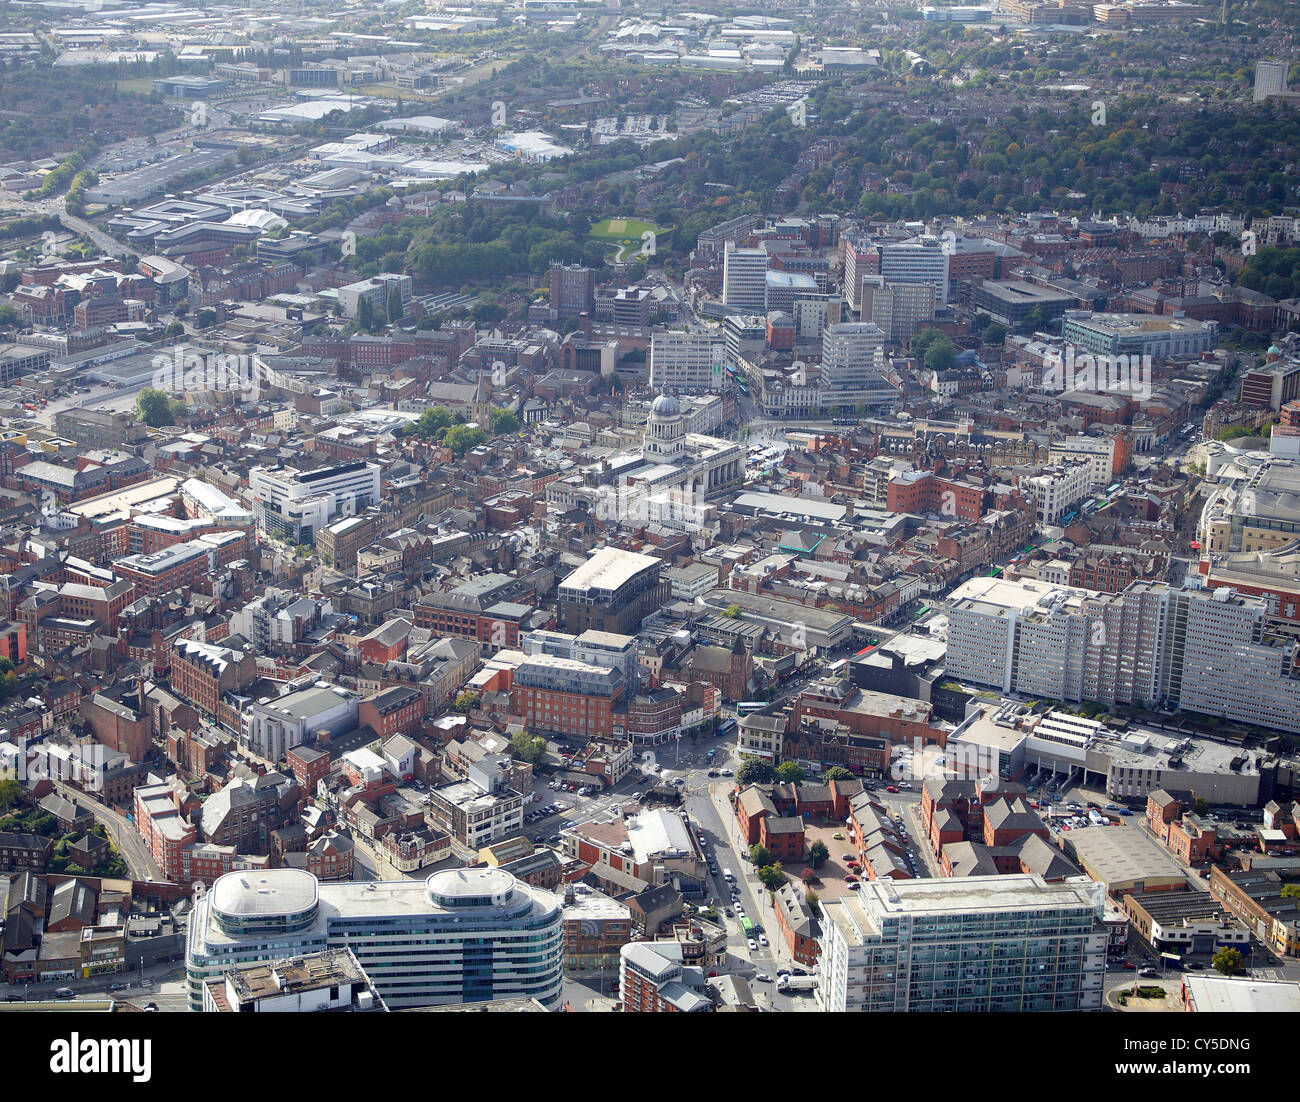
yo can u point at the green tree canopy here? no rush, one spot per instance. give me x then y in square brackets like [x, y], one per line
[1229, 961]
[463, 438]
[504, 423]
[789, 772]
[528, 748]
[10, 793]
[755, 771]
[837, 773]
[818, 854]
[772, 876]
[464, 701]
[155, 408]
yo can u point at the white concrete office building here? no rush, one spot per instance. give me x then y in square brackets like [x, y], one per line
[921, 260]
[744, 278]
[296, 504]
[1198, 649]
[852, 357]
[694, 363]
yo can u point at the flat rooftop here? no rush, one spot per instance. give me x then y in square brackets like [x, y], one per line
[1240, 995]
[1122, 855]
[609, 569]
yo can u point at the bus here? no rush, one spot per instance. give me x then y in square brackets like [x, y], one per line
[747, 926]
[744, 707]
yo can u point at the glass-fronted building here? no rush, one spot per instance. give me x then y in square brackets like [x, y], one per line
[462, 935]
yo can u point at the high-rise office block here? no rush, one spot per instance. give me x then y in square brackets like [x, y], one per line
[460, 936]
[1199, 649]
[693, 363]
[900, 309]
[994, 943]
[921, 260]
[744, 278]
[852, 357]
[1270, 78]
[572, 289]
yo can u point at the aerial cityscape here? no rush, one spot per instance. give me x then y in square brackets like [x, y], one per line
[576, 506]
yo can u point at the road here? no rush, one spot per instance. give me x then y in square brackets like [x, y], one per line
[724, 845]
[163, 984]
[129, 844]
[111, 245]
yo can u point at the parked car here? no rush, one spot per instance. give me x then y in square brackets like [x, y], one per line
[65, 993]
[763, 977]
[753, 945]
[1129, 966]
[891, 788]
[1148, 973]
[854, 886]
[762, 940]
[850, 878]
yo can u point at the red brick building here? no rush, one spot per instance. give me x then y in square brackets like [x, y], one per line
[395, 711]
[924, 492]
[201, 673]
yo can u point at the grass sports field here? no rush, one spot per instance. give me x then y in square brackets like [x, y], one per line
[626, 235]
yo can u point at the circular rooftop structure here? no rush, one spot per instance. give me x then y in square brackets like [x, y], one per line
[471, 887]
[273, 898]
[666, 406]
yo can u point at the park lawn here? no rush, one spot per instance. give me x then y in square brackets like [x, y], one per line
[623, 231]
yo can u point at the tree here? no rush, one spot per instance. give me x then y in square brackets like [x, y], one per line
[837, 773]
[464, 701]
[504, 423]
[941, 353]
[812, 899]
[759, 856]
[771, 876]
[462, 438]
[818, 854]
[1290, 891]
[10, 793]
[1228, 961]
[789, 772]
[1201, 806]
[755, 771]
[154, 408]
[528, 748]
[731, 612]
[205, 318]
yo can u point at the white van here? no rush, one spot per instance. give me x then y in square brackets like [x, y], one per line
[728, 876]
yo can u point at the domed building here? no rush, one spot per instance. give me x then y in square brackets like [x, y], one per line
[669, 482]
[665, 432]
